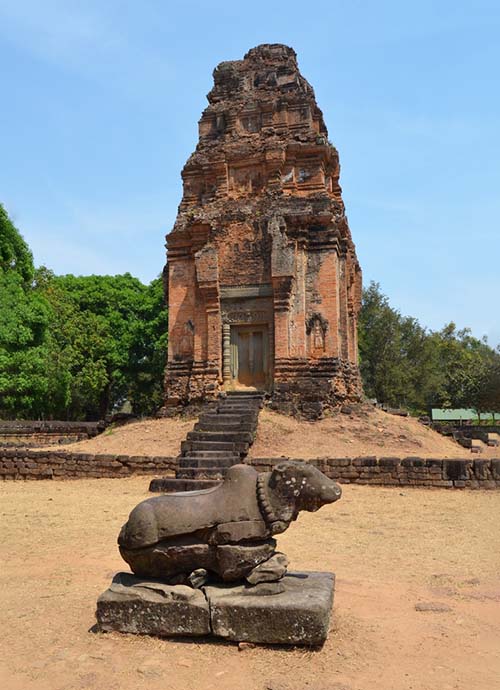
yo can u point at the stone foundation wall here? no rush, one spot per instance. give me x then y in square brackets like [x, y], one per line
[411, 471]
[18, 463]
[189, 383]
[30, 433]
[308, 388]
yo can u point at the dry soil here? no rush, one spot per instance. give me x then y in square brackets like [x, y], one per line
[368, 432]
[393, 552]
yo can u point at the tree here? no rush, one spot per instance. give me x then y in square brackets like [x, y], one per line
[493, 384]
[403, 364]
[15, 256]
[24, 321]
[462, 359]
[149, 352]
[108, 341]
[76, 347]
[381, 366]
[483, 390]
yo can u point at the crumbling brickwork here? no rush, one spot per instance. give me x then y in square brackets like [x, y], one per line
[264, 286]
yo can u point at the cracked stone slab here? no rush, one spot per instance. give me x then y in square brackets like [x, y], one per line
[296, 610]
[299, 615]
[150, 607]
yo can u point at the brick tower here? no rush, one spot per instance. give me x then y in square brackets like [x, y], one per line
[264, 286]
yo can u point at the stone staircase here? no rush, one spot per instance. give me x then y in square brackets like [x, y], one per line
[221, 438]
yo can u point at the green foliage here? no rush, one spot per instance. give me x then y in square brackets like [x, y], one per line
[24, 320]
[148, 354]
[107, 336]
[403, 364]
[461, 359]
[76, 347]
[15, 255]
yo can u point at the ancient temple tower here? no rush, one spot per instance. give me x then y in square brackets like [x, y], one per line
[264, 286]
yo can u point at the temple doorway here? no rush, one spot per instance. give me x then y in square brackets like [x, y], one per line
[249, 356]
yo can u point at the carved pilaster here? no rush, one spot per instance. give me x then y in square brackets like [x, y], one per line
[226, 353]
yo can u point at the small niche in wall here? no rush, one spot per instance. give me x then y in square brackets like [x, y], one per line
[316, 328]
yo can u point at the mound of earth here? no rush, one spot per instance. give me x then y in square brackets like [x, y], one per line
[149, 437]
[367, 431]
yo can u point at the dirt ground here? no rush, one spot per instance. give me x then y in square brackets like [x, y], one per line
[161, 437]
[368, 432]
[392, 551]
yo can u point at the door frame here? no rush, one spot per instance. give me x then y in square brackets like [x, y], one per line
[235, 329]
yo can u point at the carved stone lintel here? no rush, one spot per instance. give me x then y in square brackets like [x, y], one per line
[246, 316]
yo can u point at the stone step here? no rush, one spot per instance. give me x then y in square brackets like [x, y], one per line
[223, 428]
[220, 462]
[226, 436]
[170, 485]
[235, 409]
[250, 406]
[237, 406]
[212, 454]
[239, 412]
[200, 473]
[238, 448]
[247, 395]
[244, 415]
[248, 402]
[247, 415]
[225, 419]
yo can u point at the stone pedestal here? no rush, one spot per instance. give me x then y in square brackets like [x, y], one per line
[299, 615]
[296, 610]
[149, 607]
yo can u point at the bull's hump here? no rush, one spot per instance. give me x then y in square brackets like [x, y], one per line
[240, 473]
[182, 513]
[239, 495]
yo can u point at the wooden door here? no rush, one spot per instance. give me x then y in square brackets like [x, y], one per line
[249, 356]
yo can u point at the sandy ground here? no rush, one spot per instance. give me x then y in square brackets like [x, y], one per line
[368, 432]
[390, 549]
[160, 437]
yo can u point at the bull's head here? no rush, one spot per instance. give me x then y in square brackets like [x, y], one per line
[303, 485]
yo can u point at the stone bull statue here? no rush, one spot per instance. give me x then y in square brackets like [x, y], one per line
[225, 531]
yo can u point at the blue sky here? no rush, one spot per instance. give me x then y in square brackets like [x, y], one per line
[100, 104]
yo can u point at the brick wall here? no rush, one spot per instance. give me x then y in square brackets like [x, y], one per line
[17, 463]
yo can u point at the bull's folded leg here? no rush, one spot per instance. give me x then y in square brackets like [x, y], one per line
[271, 570]
[236, 561]
[170, 562]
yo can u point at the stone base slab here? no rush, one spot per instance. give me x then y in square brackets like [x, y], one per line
[295, 611]
[299, 615]
[148, 607]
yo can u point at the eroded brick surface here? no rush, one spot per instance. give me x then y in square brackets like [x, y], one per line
[261, 241]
